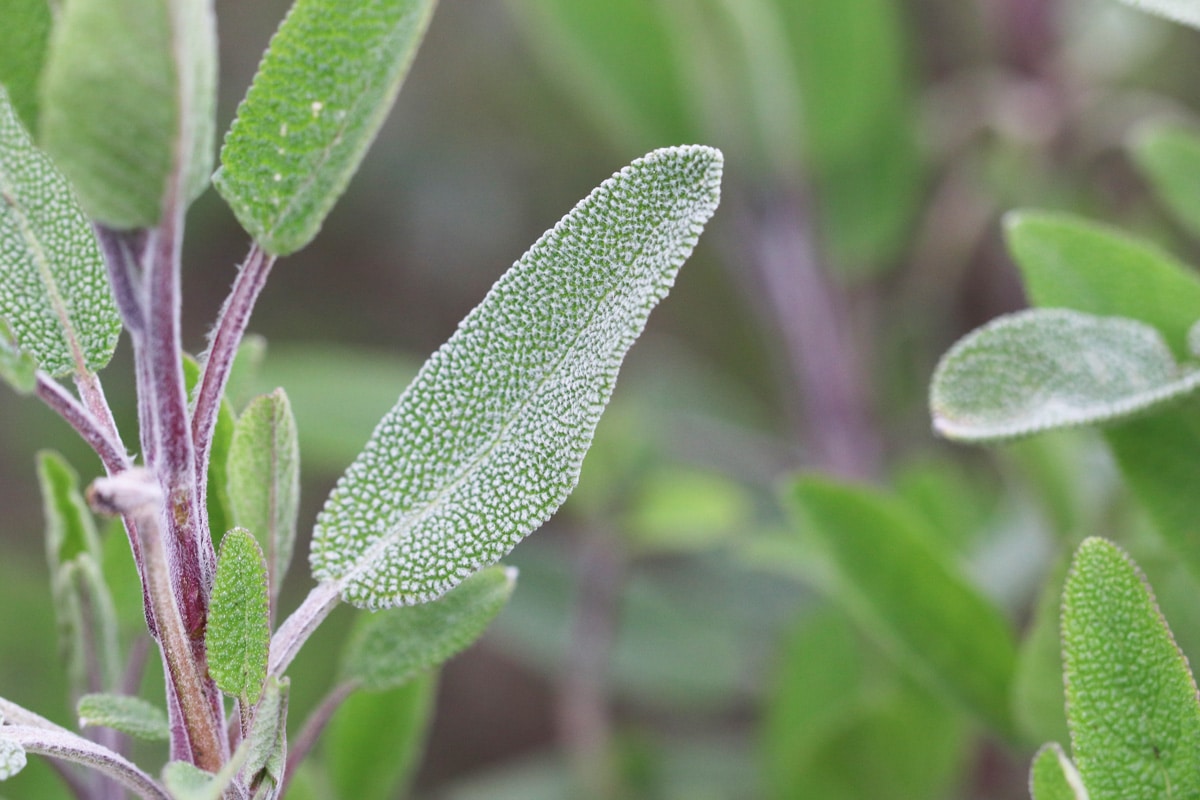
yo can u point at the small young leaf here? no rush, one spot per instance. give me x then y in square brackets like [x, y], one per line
[131, 715]
[1053, 777]
[392, 647]
[54, 291]
[239, 630]
[263, 476]
[1048, 368]
[374, 740]
[23, 39]
[1169, 156]
[892, 581]
[487, 441]
[1186, 12]
[12, 757]
[124, 82]
[1131, 700]
[266, 752]
[323, 89]
[188, 782]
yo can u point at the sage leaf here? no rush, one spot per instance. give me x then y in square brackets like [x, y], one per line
[323, 89]
[239, 630]
[12, 757]
[1054, 777]
[128, 101]
[54, 292]
[1131, 700]
[266, 752]
[1183, 11]
[892, 580]
[23, 40]
[131, 715]
[263, 479]
[1169, 156]
[487, 441]
[188, 782]
[17, 368]
[390, 648]
[1051, 368]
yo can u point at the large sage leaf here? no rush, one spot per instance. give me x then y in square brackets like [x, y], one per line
[1050, 368]
[54, 292]
[23, 39]
[1131, 700]
[892, 580]
[323, 89]
[1184, 11]
[239, 630]
[1054, 777]
[129, 90]
[487, 441]
[1169, 156]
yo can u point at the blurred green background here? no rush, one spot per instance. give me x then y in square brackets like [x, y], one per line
[670, 635]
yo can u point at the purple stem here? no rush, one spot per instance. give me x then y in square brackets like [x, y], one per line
[296, 629]
[111, 451]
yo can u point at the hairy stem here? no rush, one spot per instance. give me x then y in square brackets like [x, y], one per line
[67, 746]
[296, 629]
[93, 431]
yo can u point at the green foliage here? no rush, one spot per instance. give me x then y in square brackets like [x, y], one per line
[1037, 694]
[1053, 776]
[1169, 157]
[127, 714]
[324, 87]
[521, 385]
[1131, 700]
[23, 41]
[54, 296]
[267, 743]
[1049, 368]
[12, 758]
[239, 628]
[129, 90]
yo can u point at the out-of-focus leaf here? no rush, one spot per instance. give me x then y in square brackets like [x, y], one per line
[954, 503]
[267, 743]
[239, 629]
[23, 39]
[12, 757]
[1053, 777]
[247, 366]
[121, 577]
[816, 696]
[390, 648]
[1169, 156]
[129, 87]
[684, 509]
[892, 580]
[17, 368]
[1131, 701]
[1049, 368]
[487, 441]
[54, 291]
[1038, 702]
[131, 715]
[374, 740]
[323, 89]
[264, 479]
[1183, 11]
[1070, 263]
[220, 508]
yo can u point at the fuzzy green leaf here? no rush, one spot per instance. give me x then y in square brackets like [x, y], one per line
[266, 752]
[1131, 700]
[392, 647]
[893, 582]
[1169, 156]
[487, 441]
[23, 39]
[127, 85]
[12, 758]
[188, 782]
[131, 715]
[1186, 12]
[1054, 777]
[54, 291]
[323, 89]
[263, 475]
[1051, 368]
[239, 629]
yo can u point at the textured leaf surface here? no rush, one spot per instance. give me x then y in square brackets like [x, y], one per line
[264, 479]
[124, 713]
[323, 89]
[908, 595]
[1050, 368]
[12, 757]
[1131, 700]
[115, 102]
[374, 741]
[54, 292]
[1184, 11]
[1169, 156]
[239, 630]
[392, 647]
[267, 743]
[487, 441]
[1054, 777]
[23, 39]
